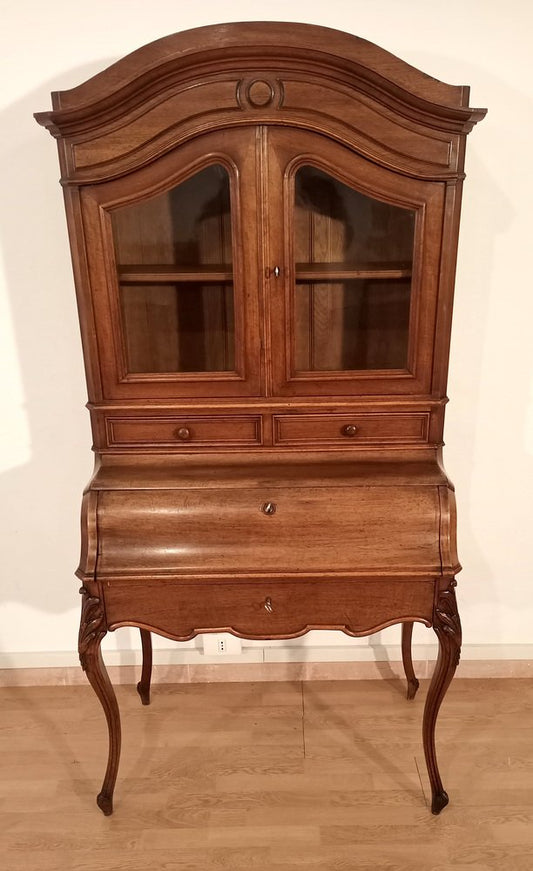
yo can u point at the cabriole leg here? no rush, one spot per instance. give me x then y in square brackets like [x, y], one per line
[143, 687]
[92, 630]
[447, 626]
[412, 682]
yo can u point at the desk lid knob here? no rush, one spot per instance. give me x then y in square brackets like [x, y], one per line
[269, 508]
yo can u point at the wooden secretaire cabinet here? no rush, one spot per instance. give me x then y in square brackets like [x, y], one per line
[263, 221]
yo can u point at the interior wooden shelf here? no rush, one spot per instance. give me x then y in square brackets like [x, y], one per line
[340, 271]
[163, 274]
[159, 273]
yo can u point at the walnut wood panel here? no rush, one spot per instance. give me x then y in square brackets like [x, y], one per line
[262, 470]
[350, 429]
[448, 531]
[356, 529]
[411, 148]
[186, 431]
[267, 609]
[402, 144]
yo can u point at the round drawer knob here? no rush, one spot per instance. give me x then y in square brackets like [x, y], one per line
[183, 433]
[349, 430]
[268, 605]
[269, 508]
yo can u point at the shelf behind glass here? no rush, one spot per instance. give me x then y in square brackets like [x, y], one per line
[340, 271]
[159, 273]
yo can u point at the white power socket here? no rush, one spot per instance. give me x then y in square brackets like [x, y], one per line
[221, 644]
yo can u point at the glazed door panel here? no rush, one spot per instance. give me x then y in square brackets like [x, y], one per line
[174, 259]
[175, 269]
[355, 244]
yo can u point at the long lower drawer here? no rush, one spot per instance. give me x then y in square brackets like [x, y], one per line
[267, 609]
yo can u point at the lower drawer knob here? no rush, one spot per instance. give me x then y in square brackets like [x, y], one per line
[183, 433]
[268, 605]
[349, 430]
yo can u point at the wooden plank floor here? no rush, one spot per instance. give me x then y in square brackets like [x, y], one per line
[317, 776]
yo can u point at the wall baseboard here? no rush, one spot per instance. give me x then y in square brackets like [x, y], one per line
[269, 663]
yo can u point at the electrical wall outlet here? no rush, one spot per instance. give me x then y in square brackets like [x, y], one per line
[221, 644]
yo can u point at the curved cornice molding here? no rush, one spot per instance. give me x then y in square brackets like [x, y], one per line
[223, 76]
[156, 68]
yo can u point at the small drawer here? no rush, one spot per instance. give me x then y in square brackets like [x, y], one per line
[350, 429]
[184, 432]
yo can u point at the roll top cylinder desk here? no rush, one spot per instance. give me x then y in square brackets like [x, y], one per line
[263, 220]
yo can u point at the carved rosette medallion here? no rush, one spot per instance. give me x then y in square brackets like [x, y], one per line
[447, 619]
[260, 93]
[92, 624]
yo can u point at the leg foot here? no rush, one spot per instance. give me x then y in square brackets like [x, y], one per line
[105, 803]
[145, 695]
[92, 630]
[143, 687]
[439, 802]
[412, 688]
[447, 626]
[412, 682]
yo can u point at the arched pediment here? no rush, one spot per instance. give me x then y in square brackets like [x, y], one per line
[260, 73]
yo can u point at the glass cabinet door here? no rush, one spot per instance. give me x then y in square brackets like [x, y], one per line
[355, 249]
[175, 265]
[353, 261]
[175, 273]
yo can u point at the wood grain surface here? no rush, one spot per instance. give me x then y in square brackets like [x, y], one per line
[327, 776]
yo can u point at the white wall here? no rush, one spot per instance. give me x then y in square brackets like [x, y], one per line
[45, 458]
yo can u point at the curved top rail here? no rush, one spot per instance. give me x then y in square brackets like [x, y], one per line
[153, 67]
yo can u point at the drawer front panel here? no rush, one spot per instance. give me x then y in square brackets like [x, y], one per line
[350, 429]
[268, 609]
[270, 529]
[184, 432]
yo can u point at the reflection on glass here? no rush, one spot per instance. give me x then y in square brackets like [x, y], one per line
[353, 264]
[174, 258]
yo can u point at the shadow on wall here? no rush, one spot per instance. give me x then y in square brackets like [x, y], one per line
[41, 499]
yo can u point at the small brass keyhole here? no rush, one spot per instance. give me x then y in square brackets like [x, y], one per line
[268, 605]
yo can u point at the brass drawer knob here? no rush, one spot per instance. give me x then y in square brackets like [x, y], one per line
[268, 605]
[349, 430]
[183, 433]
[269, 508]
